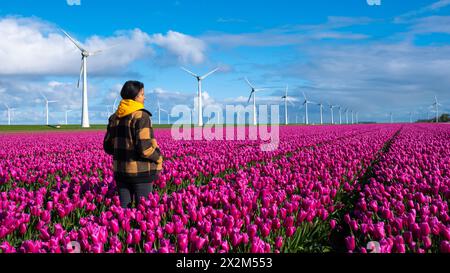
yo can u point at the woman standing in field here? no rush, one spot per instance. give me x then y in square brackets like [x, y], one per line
[131, 142]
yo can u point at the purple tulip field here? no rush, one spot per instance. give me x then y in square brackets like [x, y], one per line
[325, 189]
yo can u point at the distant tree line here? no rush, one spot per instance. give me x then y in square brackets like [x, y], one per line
[443, 118]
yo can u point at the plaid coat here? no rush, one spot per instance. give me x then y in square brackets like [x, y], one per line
[131, 142]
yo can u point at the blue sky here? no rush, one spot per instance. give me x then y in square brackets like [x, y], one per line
[374, 59]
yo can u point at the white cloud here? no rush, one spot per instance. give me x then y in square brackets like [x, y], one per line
[30, 46]
[186, 48]
[434, 7]
[33, 47]
[373, 78]
[290, 34]
[431, 24]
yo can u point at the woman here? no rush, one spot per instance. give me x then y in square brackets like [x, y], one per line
[131, 142]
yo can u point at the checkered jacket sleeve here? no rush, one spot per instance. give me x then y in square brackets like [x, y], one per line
[146, 144]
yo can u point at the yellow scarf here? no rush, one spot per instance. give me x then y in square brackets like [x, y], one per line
[127, 107]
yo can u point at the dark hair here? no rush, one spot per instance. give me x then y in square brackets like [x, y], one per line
[131, 89]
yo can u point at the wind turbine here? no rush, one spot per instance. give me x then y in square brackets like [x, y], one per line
[436, 104]
[253, 93]
[46, 105]
[391, 117]
[9, 112]
[332, 112]
[67, 111]
[83, 73]
[340, 114]
[305, 103]
[351, 111]
[286, 99]
[199, 80]
[115, 103]
[346, 115]
[321, 112]
[356, 117]
[107, 109]
[159, 112]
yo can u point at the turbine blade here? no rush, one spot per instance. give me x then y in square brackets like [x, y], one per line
[95, 52]
[209, 74]
[45, 98]
[74, 41]
[250, 97]
[103, 49]
[115, 102]
[81, 72]
[248, 82]
[192, 73]
[304, 96]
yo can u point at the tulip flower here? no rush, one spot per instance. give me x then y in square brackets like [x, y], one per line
[350, 243]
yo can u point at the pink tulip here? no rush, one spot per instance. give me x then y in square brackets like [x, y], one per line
[350, 243]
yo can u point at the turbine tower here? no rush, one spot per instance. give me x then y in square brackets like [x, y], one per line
[253, 94]
[67, 111]
[159, 113]
[436, 104]
[340, 114]
[286, 100]
[305, 103]
[332, 112]
[83, 73]
[46, 106]
[9, 112]
[199, 80]
[346, 115]
[321, 112]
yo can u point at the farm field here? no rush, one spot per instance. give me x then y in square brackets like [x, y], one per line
[325, 189]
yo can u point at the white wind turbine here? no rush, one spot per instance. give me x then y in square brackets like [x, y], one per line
[46, 106]
[436, 104]
[332, 111]
[67, 111]
[286, 100]
[391, 116]
[340, 114]
[115, 103]
[9, 112]
[346, 115]
[321, 112]
[253, 93]
[107, 109]
[356, 117]
[199, 80]
[159, 114]
[83, 73]
[305, 103]
[351, 112]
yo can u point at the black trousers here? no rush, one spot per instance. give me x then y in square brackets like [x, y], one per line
[129, 192]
